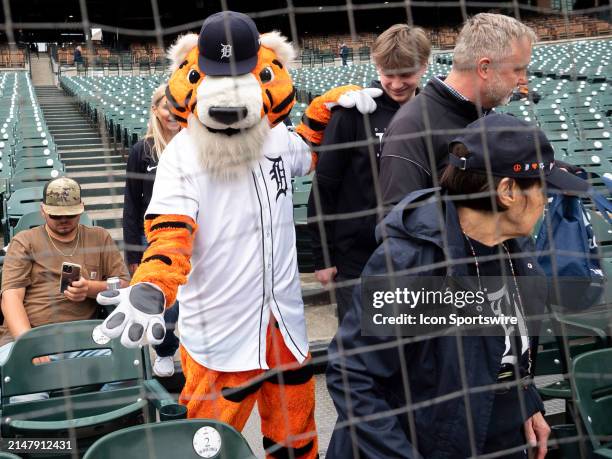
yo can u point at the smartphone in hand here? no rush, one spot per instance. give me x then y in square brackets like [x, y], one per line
[70, 272]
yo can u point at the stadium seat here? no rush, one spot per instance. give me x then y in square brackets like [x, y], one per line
[126, 63]
[592, 373]
[582, 335]
[21, 202]
[77, 407]
[173, 439]
[4, 455]
[33, 219]
[33, 177]
[28, 164]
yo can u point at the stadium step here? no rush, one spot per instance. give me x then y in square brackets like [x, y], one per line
[63, 137]
[72, 168]
[98, 152]
[74, 130]
[84, 138]
[99, 176]
[107, 218]
[84, 143]
[103, 189]
[103, 202]
[68, 124]
[62, 115]
[87, 158]
[117, 235]
[40, 69]
[92, 161]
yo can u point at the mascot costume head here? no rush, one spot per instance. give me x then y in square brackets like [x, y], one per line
[230, 86]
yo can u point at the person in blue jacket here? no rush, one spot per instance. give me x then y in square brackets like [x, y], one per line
[461, 395]
[78, 55]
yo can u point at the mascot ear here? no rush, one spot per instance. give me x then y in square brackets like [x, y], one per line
[279, 44]
[177, 53]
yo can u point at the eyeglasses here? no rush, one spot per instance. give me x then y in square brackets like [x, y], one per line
[62, 217]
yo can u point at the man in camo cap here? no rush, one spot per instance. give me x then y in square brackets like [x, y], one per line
[32, 269]
[62, 196]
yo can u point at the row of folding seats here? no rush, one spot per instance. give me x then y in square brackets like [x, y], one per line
[99, 406]
[28, 155]
[312, 82]
[120, 103]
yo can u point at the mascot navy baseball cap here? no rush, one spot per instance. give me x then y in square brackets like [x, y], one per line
[228, 44]
[512, 145]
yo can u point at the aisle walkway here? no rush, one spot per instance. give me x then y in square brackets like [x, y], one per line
[99, 169]
[42, 74]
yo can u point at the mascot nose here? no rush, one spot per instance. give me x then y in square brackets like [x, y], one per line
[228, 115]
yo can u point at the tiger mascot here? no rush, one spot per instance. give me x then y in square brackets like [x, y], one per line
[220, 226]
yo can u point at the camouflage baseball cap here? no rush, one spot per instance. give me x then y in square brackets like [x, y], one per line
[62, 196]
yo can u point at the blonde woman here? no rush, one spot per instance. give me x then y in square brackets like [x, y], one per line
[141, 168]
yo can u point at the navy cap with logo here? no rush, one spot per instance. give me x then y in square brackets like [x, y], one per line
[228, 44]
[513, 145]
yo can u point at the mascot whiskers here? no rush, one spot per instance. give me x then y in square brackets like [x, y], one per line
[220, 227]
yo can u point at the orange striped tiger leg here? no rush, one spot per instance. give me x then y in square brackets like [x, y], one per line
[207, 393]
[286, 404]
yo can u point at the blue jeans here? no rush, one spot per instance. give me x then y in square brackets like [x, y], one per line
[170, 344]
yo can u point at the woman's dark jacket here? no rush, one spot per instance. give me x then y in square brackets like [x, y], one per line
[374, 389]
[141, 169]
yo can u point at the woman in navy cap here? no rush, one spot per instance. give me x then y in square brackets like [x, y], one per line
[455, 396]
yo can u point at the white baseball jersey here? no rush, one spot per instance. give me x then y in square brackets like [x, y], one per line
[244, 261]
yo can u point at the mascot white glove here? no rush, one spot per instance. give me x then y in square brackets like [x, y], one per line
[318, 113]
[362, 99]
[139, 316]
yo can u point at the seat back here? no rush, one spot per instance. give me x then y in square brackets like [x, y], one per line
[19, 375]
[23, 201]
[4, 455]
[34, 177]
[29, 163]
[173, 439]
[34, 219]
[25, 195]
[592, 373]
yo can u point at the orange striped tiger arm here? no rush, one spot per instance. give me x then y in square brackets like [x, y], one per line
[317, 115]
[167, 261]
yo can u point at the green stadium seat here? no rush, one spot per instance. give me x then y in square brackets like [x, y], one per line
[33, 177]
[77, 407]
[32, 163]
[582, 333]
[592, 374]
[173, 439]
[4, 455]
[22, 202]
[33, 219]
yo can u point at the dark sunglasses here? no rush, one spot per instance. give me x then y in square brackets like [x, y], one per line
[62, 217]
